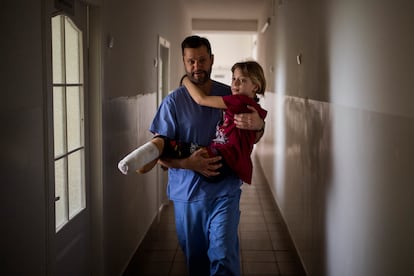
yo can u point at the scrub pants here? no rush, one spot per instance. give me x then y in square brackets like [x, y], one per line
[207, 233]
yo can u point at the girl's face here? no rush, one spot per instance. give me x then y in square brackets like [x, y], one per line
[242, 85]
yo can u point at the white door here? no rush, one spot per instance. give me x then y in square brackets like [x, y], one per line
[70, 142]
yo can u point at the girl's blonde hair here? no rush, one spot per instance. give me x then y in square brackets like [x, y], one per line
[255, 72]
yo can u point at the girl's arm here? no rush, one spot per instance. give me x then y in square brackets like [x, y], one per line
[202, 99]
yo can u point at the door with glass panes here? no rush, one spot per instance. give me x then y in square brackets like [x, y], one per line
[72, 231]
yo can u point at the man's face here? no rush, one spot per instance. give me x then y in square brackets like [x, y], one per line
[198, 64]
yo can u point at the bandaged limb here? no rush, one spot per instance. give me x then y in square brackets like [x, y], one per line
[144, 158]
[139, 158]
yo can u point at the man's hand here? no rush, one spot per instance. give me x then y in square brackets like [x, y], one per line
[249, 121]
[198, 161]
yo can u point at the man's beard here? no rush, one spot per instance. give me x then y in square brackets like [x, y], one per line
[196, 80]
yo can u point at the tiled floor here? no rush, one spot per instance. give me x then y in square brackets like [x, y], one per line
[265, 244]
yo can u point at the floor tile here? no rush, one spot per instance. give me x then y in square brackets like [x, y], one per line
[260, 268]
[265, 256]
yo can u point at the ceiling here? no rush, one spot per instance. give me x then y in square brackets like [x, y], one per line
[226, 9]
[226, 15]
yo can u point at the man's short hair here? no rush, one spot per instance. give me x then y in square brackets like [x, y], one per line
[195, 41]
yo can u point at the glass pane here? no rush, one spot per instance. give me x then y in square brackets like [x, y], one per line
[74, 114]
[57, 57]
[76, 183]
[59, 120]
[60, 192]
[73, 40]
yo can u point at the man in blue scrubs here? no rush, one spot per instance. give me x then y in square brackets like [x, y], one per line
[206, 212]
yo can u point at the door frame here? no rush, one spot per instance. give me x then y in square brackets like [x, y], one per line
[92, 117]
[163, 80]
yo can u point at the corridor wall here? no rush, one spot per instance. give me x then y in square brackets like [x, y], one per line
[126, 87]
[23, 177]
[338, 148]
[131, 203]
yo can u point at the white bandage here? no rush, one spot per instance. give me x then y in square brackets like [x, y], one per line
[139, 158]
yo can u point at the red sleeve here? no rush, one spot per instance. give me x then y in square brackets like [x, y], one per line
[238, 104]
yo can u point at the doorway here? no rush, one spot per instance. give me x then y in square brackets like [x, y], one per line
[229, 48]
[69, 105]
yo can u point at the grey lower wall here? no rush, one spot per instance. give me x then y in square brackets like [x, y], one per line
[130, 202]
[342, 178]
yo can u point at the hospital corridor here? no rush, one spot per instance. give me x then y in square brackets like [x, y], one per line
[333, 177]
